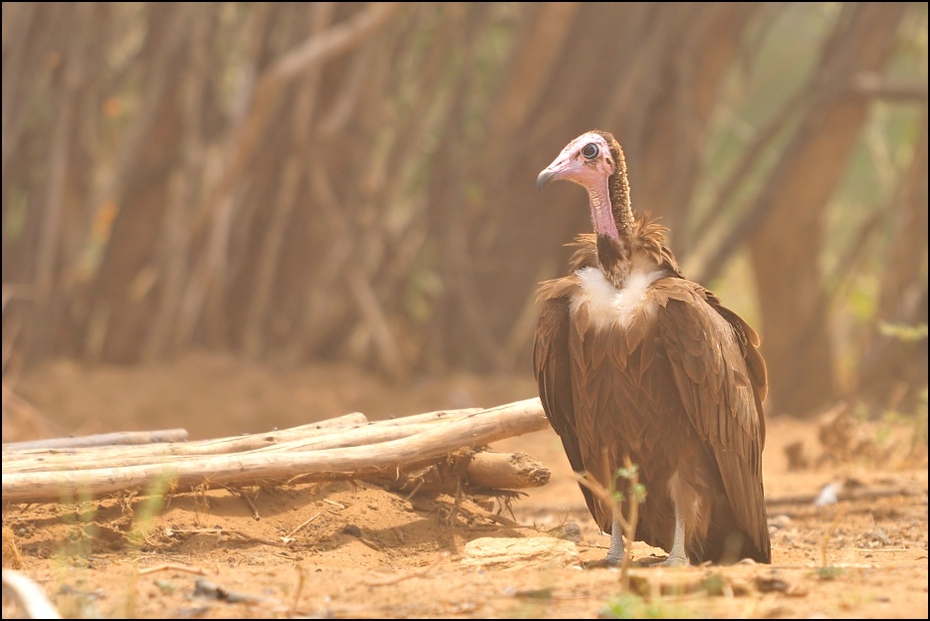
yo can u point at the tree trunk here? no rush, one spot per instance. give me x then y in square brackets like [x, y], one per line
[785, 251]
[137, 194]
[894, 366]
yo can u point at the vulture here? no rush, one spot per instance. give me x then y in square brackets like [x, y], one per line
[635, 361]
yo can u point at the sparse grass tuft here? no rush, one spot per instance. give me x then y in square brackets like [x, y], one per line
[830, 572]
[630, 606]
[144, 518]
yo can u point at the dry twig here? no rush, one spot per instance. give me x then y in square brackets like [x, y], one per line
[173, 567]
[28, 595]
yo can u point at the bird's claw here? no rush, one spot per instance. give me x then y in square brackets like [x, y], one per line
[675, 561]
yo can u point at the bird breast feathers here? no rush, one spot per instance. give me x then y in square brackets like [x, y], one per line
[606, 305]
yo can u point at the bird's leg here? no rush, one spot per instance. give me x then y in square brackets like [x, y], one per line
[677, 556]
[615, 553]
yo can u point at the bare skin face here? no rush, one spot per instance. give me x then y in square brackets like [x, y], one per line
[587, 161]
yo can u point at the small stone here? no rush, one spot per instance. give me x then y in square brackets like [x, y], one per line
[511, 551]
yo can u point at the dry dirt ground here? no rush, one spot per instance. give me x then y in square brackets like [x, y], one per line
[356, 550]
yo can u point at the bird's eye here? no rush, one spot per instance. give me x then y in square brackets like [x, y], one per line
[590, 151]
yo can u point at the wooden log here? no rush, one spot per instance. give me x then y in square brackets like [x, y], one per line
[438, 415]
[506, 471]
[348, 430]
[256, 467]
[471, 471]
[17, 458]
[356, 420]
[100, 439]
[355, 436]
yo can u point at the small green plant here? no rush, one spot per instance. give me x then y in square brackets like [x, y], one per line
[631, 606]
[635, 496]
[830, 572]
[827, 571]
[903, 332]
[143, 519]
[635, 489]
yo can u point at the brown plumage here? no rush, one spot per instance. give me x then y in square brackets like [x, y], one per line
[634, 360]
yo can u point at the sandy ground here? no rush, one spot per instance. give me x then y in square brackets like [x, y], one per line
[357, 550]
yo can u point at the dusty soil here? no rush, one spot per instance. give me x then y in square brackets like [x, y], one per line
[357, 550]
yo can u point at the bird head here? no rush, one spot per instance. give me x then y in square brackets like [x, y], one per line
[588, 160]
[595, 161]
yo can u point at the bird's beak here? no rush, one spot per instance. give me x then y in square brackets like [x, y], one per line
[544, 178]
[556, 170]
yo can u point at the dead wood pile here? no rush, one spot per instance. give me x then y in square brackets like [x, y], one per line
[348, 447]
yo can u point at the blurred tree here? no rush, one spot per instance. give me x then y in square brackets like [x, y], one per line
[788, 233]
[894, 366]
[355, 181]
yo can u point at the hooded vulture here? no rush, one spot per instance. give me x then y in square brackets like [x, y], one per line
[634, 361]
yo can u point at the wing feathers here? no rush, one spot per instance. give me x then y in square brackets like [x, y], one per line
[681, 335]
[726, 412]
[551, 363]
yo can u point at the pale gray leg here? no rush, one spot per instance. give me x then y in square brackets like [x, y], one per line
[615, 553]
[677, 557]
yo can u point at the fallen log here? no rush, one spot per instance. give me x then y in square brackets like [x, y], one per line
[356, 436]
[17, 451]
[100, 439]
[505, 471]
[381, 459]
[18, 458]
[348, 430]
[470, 471]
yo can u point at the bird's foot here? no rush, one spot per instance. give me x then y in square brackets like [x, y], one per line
[675, 561]
[610, 561]
[604, 563]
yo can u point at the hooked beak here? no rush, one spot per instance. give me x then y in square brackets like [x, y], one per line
[544, 178]
[553, 171]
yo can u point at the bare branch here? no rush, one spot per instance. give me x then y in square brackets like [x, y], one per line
[28, 595]
[872, 84]
[103, 439]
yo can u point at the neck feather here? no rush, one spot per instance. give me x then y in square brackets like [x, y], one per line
[613, 222]
[609, 201]
[620, 197]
